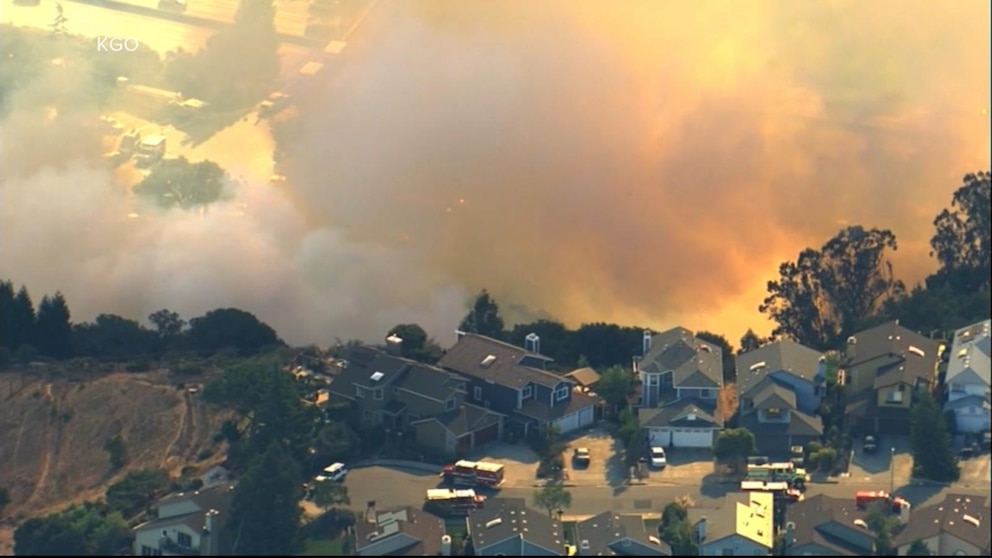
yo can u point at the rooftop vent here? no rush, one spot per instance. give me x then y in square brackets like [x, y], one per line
[488, 361]
[972, 519]
[376, 376]
[691, 416]
[861, 523]
[963, 352]
[705, 348]
[917, 351]
[758, 366]
[654, 540]
[852, 340]
[494, 522]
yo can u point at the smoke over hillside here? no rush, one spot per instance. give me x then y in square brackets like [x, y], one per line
[639, 162]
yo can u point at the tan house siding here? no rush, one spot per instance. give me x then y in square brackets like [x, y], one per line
[432, 435]
[886, 396]
[421, 406]
[863, 374]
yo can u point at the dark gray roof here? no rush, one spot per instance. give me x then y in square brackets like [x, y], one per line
[584, 376]
[677, 414]
[771, 394]
[948, 517]
[606, 533]
[722, 520]
[542, 411]
[800, 424]
[430, 381]
[206, 498]
[362, 362]
[465, 419]
[811, 515]
[693, 362]
[892, 339]
[503, 519]
[425, 530]
[782, 356]
[467, 355]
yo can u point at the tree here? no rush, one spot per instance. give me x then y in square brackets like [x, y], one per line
[608, 344]
[930, 441]
[116, 449]
[675, 529]
[168, 324]
[961, 242]
[230, 328]
[137, 490]
[673, 513]
[111, 336]
[630, 435]
[81, 530]
[733, 446]
[329, 494]
[553, 498]
[265, 509]
[751, 341]
[18, 317]
[4, 498]
[336, 441]
[614, 385]
[416, 345]
[53, 331]
[882, 523]
[557, 341]
[483, 317]
[918, 548]
[826, 294]
[179, 183]
[726, 350]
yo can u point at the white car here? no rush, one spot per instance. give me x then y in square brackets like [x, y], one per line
[658, 458]
[333, 473]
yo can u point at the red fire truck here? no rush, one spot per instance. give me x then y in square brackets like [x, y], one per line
[448, 501]
[473, 473]
[864, 498]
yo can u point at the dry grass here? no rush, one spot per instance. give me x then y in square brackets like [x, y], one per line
[726, 403]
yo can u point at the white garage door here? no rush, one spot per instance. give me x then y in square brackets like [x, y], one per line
[661, 437]
[692, 437]
[587, 416]
[568, 423]
[972, 423]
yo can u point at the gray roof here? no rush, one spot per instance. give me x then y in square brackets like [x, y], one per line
[584, 376]
[467, 355]
[948, 517]
[465, 419]
[693, 362]
[504, 519]
[678, 413]
[800, 424]
[892, 339]
[610, 534]
[424, 530]
[770, 394]
[542, 411]
[811, 515]
[205, 498]
[217, 497]
[362, 362]
[782, 356]
[970, 355]
[968, 401]
[722, 520]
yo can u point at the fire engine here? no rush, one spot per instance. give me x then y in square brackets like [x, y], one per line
[473, 473]
[448, 501]
[864, 498]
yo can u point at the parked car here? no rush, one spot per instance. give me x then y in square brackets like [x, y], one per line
[870, 444]
[582, 457]
[658, 458]
[333, 473]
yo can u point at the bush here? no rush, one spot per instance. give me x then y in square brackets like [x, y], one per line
[825, 459]
[140, 366]
[204, 454]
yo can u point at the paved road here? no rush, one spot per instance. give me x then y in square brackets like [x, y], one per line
[394, 487]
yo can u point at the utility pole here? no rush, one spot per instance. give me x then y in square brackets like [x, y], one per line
[892, 471]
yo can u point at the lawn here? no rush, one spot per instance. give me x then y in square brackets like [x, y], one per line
[323, 547]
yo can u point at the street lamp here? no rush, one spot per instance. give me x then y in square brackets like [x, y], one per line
[892, 470]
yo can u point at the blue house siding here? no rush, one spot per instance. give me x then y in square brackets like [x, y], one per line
[543, 394]
[500, 398]
[806, 399]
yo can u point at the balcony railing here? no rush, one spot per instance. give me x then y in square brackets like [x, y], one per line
[172, 547]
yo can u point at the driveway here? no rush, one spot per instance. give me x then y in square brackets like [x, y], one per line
[686, 466]
[519, 463]
[893, 462]
[606, 467]
[976, 472]
[388, 486]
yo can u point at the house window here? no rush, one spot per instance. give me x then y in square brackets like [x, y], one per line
[528, 391]
[184, 540]
[360, 391]
[149, 551]
[449, 405]
[652, 379]
[561, 393]
[708, 393]
[773, 411]
[477, 393]
[957, 388]
[377, 394]
[894, 397]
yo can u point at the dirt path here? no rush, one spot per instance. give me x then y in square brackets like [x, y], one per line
[46, 464]
[178, 450]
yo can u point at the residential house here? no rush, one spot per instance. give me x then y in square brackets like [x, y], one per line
[413, 397]
[744, 526]
[512, 381]
[586, 378]
[958, 526]
[967, 378]
[681, 375]
[826, 526]
[401, 532]
[507, 527]
[790, 364]
[190, 523]
[611, 534]
[882, 369]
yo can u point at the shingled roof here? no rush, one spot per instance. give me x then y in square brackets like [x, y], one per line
[471, 356]
[965, 516]
[694, 363]
[782, 356]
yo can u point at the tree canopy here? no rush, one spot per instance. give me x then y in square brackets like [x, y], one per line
[963, 234]
[179, 183]
[265, 509]
[416, 344]
[553, 498]
[733, 446]
[230, 328]
[483, 317]
[931, 441]
[82, 530]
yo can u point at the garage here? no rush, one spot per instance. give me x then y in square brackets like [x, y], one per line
[463, 445]
[971, 423]
[578, 419]
[587, 416]
[487, 435]
[682, 437]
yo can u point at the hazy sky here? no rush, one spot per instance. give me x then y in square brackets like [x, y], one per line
[646, 163]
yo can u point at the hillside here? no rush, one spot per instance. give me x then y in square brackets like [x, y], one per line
[53, 431]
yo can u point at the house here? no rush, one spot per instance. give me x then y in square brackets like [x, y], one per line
[958, 526]
[881, 370]
[610, 534]
[744, 526]
[789, 364]
[513, 382]
[507, 527]
[686, 423]
[409, 396]
[825, 526]
[401, 532]
[586, 378]
[967, 378]
[187, 523]
[677, 365]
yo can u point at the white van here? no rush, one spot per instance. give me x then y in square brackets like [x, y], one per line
[333, 473]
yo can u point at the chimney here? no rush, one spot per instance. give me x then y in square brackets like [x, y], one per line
[394, 345]
[532, 343]
[701, 530]
[646, 342]
[370, 511]
[851, 351]
[446, 545]
[210, 538]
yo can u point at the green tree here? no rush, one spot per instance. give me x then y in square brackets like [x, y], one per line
[116, 449]
[556, 340]
[81, 530]
[230, 328]
[751, 341]
[553, 498]
[614, 385]
[137, 490]
[329, 494]
[179, 183]
[726, 350]
[608, 344]
[111, 336]
[4, 498]
[733, 446]
[931, 442]
[483, 317]
[23, 319]
[265, 509]
[672, 513]
[918, 548]
[630, 436]
[53, 330]
[963, 235]
[881, 522]
[336, 441]
[675, 529]
[825, 294]
[416, 345]
[168, 324]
